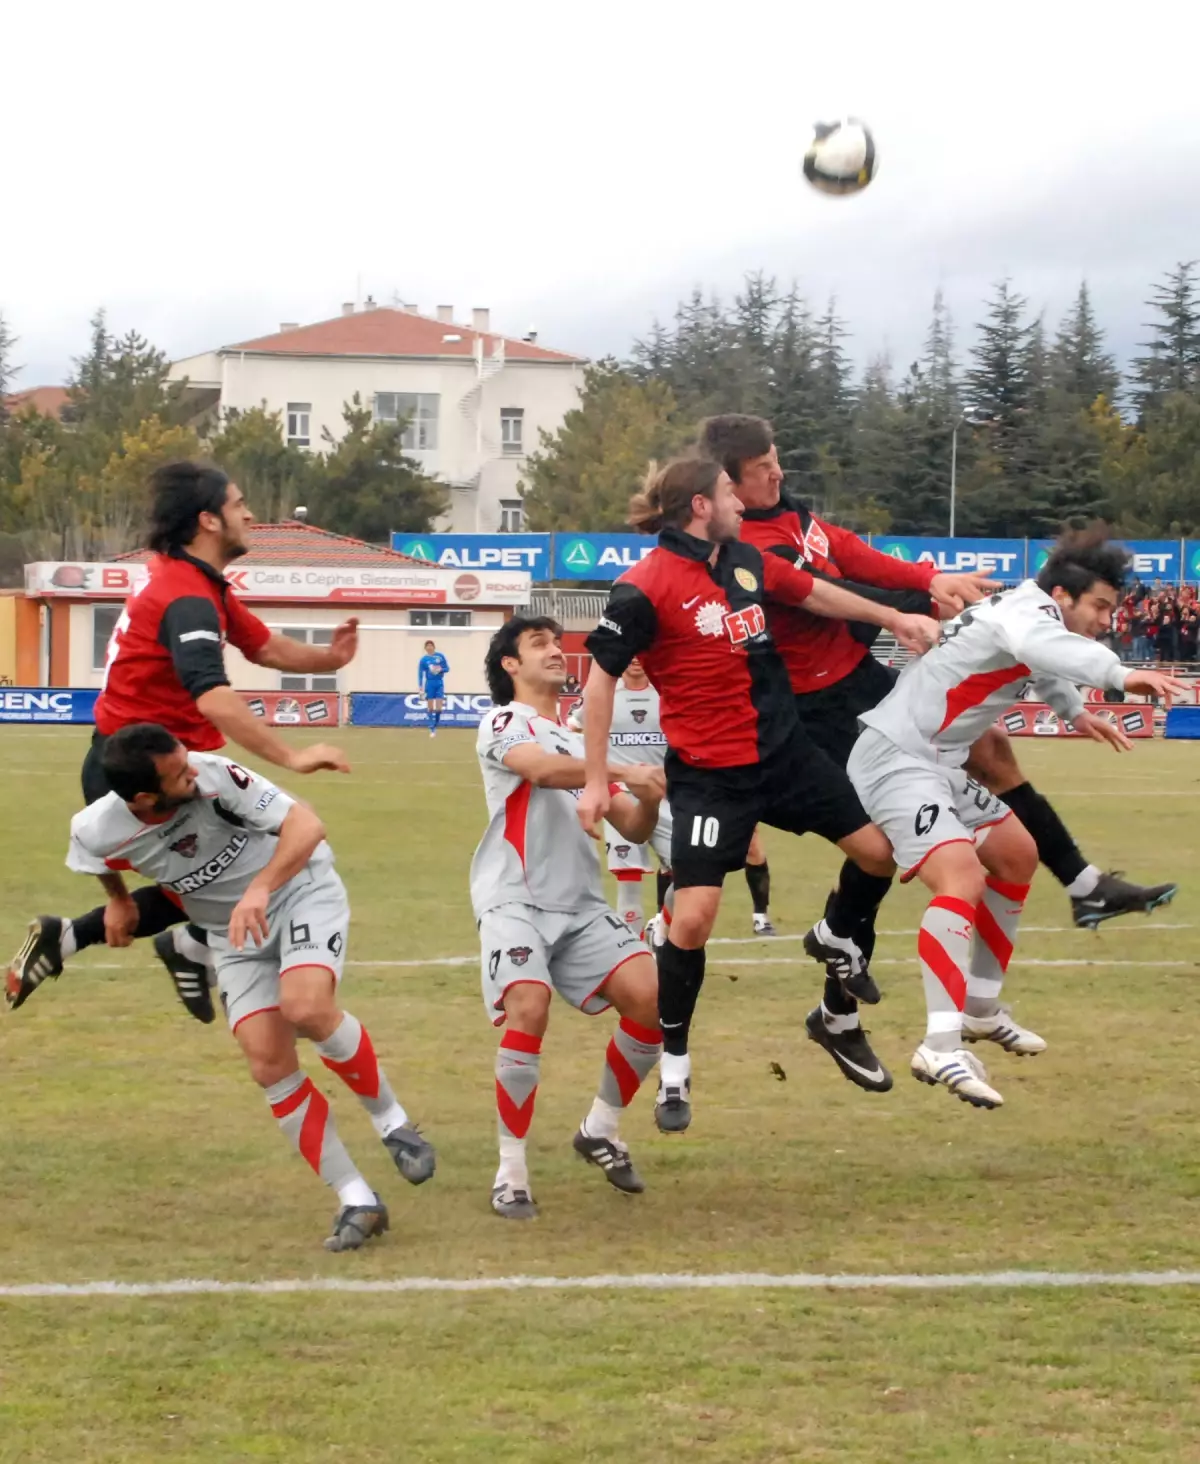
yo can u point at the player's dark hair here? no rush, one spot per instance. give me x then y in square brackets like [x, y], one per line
[504, 643]
[179, 494]
[128, 758]
[1082, 557]
[430, 643]
[733, 439]
[666, 496]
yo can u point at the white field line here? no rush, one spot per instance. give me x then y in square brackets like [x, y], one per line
[660, 1281]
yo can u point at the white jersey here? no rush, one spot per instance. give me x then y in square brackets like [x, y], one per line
[535, 851]
[986, 660]
[636, 735]
[206, 851]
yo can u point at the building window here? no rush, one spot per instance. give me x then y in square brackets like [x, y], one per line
[104, 619]
[512, 515]
[312, 636]
[298, 414]
[512, 430]
[439, 617]
[418, 410]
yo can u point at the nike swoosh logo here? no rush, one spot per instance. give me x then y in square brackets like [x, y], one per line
[876, 1072]
[687, 604]
[1092, 904]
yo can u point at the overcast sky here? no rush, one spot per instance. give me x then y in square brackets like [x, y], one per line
[206, 172]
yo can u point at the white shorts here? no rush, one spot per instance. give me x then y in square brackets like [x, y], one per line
[919, 805]
[623, 855]
[308, 924]
[572, 953]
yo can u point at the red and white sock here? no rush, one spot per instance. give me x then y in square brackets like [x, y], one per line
[629, 1061]
[350, 1053]
[944, 949]
[996, 919]
[629, 898]
[518, 1067]
[302, 1112]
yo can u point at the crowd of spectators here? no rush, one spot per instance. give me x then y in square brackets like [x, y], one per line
[1157, 623]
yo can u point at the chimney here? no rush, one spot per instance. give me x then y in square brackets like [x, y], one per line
[369, 303]
[530, 337]
[348, 307]
[445, 314]
[481, 318]
[289, 325]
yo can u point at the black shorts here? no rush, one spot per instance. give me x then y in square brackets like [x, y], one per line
[95, 784]
[714, 811]
[830, 716]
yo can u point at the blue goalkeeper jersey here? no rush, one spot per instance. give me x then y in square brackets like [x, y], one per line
[431, 674]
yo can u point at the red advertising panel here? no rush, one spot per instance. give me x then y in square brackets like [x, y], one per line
[294, 708]
[1035, 719]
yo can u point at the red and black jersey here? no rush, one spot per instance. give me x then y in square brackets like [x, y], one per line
[699, 627]
[166, 650]
[818, 651]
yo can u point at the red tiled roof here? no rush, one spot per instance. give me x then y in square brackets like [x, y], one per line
[297, 543]
[49, 401]
[385, 332]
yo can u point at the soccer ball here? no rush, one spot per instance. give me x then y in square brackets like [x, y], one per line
[841, 157]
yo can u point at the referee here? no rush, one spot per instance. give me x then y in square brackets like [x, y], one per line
[165, 665]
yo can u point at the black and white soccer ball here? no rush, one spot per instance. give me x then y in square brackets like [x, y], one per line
[841, 157]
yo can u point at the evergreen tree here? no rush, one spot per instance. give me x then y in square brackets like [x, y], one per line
[792, 400]
[1079, 365]
[1006, 374]
[274, 475]
[367, 486]
[1172, 360]
[7, 370]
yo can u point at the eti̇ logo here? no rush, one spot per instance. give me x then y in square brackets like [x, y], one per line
[418, 549]
[579, 556]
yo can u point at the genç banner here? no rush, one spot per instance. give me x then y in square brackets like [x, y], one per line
[393, 584]
[294, 708]
[1035, 719]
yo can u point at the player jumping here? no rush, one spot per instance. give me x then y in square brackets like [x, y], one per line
[835, 679]
[252, 868]
[165, 663]
[961, 841]
[693, 612]
[432, 670]
[544, 925]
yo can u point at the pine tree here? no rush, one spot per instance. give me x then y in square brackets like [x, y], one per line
[1007, 361]
[7, 369]
[1079, 364]
[792, 399]
[1172, 362]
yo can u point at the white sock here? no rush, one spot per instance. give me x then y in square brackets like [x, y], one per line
[674, 1072]
[191, 949]
[603, 1121]
[1084, 883]
[513, 1168]
[356, 1192]
[66, 944]
[839, 1021]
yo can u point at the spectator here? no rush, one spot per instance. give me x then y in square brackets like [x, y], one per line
[1189, 630]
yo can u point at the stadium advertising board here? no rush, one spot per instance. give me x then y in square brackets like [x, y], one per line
[523, 552]
[46, 704]
[392, 584]
[294, 708]
[407, 709]
[1153, 559]
[1035, 719]
[1003, 559]
[598, 556]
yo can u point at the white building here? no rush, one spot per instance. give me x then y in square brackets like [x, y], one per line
[475, 401]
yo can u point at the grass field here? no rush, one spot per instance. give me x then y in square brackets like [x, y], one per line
[135, 1149]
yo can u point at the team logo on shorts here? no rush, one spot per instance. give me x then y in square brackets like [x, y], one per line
[335, 942]
[186, 846]
[926, 817]
[518, 955]
[621, 850]
[745, 579]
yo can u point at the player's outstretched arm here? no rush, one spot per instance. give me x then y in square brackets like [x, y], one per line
[281, 653]
[299, 834]
[634, 818]
[915, 633]
[598, 696]
[232, 717]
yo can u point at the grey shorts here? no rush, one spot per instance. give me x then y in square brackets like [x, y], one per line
[308, 924]
[623, 855]
[573, 954]
[920, 805]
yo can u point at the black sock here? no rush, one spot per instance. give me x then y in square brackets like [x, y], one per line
[155, 913]
[852, 907]
[837, 999]
[680, 977]
[201, 936]
[1056, 848]
[758, 877]
[663, 884]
